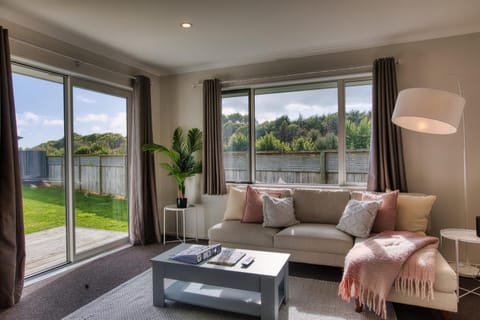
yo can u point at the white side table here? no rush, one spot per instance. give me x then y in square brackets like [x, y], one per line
[461, 235]
[172, 208]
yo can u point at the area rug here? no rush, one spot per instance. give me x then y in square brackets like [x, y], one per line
[309, 299]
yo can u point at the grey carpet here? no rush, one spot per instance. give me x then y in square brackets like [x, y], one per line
[309, 299]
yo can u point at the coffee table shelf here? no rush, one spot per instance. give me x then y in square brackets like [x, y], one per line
[226, 299]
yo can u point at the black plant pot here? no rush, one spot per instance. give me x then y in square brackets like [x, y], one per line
[181, 202]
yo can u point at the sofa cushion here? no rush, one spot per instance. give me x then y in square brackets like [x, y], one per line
[358, 217]
[242, 233]
[253, 212]
[235, 204]
[284, 192]
[323, 238]
[413, 212]
[278, 212]
[387, 213]
[319, 206]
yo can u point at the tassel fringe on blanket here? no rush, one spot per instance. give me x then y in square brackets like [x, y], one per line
[402, 259]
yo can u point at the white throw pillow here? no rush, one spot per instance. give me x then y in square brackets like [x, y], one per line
[235, 204]
[358, 217]
[278, 212]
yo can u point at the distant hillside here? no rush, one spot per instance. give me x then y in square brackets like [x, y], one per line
[96, 143]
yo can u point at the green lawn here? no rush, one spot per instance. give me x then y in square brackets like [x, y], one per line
[44, 208]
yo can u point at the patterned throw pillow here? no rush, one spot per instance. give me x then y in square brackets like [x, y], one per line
[358, 217]
[278, 212]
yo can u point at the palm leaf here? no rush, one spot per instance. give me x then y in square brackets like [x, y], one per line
[172, 154]
[177, 141]
[194, 140]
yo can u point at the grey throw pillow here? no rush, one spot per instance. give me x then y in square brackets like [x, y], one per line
[358, 217]
[278, 212]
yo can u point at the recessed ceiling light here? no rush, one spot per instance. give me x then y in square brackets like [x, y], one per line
[186, 25]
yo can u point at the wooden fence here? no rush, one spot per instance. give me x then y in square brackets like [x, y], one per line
[297, 167]
[102, 174]
[106, 174]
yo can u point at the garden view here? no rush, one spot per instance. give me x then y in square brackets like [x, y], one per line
[44, 204]
[314, 133]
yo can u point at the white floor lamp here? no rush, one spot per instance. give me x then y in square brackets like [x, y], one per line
[435, 112]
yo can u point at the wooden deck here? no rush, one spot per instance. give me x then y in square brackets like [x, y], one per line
[48, 248]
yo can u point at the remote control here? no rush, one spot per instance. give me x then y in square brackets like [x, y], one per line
[247, 261]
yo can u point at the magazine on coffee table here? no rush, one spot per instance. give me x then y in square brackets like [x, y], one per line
[227, 257]
[197, 253]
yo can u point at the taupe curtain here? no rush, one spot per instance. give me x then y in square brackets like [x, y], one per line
[213, 171]
[386, 166]
[144, 218]
[12, 237]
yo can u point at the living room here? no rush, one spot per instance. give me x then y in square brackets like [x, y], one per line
[440, 55]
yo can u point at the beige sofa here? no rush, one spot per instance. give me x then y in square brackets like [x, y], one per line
[316, 240]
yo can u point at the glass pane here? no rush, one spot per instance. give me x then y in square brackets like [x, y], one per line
[358, 112]
[296, 134]
[39, 107]
[100, 168]
[236, 137]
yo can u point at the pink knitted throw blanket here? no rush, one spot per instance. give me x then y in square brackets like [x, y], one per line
[372, 266]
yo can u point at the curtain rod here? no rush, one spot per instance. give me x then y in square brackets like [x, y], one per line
[292, 75]
[286, 76]
[75, 60]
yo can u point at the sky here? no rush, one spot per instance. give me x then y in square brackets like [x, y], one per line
[40, 115]
[306, 103]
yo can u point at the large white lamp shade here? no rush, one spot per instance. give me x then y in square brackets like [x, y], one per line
[428, 110]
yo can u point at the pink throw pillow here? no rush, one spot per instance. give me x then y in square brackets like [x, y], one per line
[387, 213]
[253, 212]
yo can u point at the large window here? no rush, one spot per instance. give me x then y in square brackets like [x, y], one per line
[308, 133]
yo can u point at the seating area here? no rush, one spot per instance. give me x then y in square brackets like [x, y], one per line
[315, 237]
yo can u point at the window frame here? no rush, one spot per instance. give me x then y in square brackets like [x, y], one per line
[341, 84]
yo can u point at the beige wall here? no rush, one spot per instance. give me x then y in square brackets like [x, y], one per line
[434, 163]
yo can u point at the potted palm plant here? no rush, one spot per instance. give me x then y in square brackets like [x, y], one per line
[182, 158]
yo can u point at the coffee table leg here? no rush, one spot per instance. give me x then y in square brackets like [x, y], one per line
[269, 296]
[285, 284]
[158, 286]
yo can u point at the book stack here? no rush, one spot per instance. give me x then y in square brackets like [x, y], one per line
[196, 253]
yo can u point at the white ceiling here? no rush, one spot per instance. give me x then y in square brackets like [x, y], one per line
[227, 33]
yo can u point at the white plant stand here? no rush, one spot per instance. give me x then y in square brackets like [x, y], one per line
[172, 208]
[467, 236]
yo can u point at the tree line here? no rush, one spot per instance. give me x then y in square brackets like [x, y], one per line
[315, 133]
[95, 143]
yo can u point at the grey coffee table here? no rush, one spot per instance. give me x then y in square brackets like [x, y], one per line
[257, 290]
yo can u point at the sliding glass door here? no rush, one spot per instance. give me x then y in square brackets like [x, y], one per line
[100, 166]
[73, 157]
[39, 103]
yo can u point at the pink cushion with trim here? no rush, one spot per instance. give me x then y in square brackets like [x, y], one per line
[387, 213]
[253, 212]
